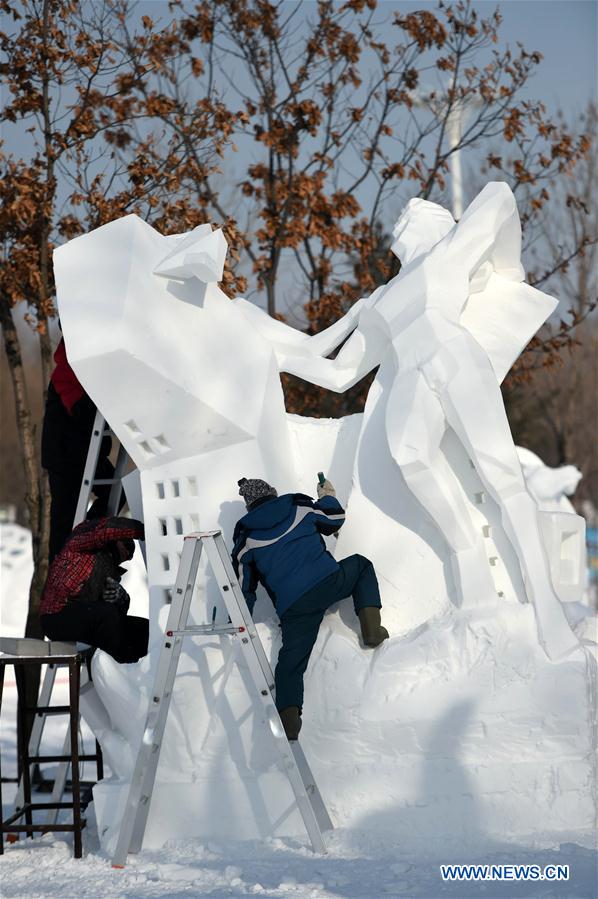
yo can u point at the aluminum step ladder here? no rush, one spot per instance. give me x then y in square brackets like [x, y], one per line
[99, 431]
[89, 481]
[293, 762]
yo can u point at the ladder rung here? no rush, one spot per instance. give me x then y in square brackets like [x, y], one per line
[206, 630]
[50, 828]
[89, 481]
[36, 759]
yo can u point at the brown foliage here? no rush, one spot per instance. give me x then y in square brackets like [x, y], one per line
[323, 110]
[67, 86]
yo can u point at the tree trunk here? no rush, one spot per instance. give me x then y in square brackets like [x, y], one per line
[271, 296]
[32, 497]
[25, 428]
[41, 539]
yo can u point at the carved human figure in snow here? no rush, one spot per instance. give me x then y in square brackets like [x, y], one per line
[444, 332]
[191, 391]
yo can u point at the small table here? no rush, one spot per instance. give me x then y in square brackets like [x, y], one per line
[25, 651]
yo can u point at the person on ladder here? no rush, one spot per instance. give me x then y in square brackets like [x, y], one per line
[68, 422]
[279, 544]
[83, 599]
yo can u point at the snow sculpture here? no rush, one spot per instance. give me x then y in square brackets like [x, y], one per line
[156, 348]
[190, 383]
[194, 395]
[16, 565]
[441, 364]
[564, 531]
[550, 487]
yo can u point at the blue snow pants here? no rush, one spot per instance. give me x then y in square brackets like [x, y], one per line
[301, 621]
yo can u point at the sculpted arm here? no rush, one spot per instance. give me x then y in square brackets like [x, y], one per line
[361, 353]
[287, 341]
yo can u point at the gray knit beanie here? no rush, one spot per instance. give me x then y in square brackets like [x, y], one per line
[254, 489]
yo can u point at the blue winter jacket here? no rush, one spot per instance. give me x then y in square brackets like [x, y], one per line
[279, 544]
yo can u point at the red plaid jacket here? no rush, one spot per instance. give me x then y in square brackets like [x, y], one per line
[85, 561]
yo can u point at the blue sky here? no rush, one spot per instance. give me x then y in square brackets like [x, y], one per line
[564, 31]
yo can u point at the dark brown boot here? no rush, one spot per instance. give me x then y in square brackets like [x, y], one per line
[371, 630]
[291, 721]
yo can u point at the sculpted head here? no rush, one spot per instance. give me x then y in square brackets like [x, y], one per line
[420, 226]
[571, 478]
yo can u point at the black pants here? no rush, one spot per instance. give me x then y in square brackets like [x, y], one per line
[301, 621]
[124, 637]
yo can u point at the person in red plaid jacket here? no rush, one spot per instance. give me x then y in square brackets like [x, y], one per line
[83, 599]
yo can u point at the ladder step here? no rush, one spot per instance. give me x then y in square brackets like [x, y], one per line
[103, 481]
[100, 430]
[36, 759]
[205, 630]
[50, 709]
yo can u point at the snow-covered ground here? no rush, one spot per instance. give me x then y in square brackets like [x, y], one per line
[356, 867]
[360, 862]
[359, 865]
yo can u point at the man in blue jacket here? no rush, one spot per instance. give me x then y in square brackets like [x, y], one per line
[279, 544]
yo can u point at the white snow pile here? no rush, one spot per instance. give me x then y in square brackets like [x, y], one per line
[358, 865]
[456, 741]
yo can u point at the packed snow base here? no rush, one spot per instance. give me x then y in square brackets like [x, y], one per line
[358, 865]
[440, 750]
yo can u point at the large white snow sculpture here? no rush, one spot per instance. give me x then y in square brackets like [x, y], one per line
[193, 392]
[440, 335]
[189, 381]
[175, 375]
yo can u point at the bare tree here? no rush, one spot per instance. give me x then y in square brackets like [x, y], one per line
[551, 397]
[63, 71]
[554, 413]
